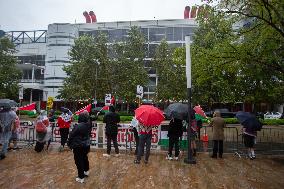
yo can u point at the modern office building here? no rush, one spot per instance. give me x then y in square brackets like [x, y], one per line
[42, 54]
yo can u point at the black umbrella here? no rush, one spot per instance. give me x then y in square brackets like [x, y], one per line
[6, 104]
[248, 121]
[177, 110]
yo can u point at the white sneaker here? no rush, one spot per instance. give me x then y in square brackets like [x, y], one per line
[106, 155]
[80, 180]
[116, 155]
[169, 157]
[86, 173]
[176, 158]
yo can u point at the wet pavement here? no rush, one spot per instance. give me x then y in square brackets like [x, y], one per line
[27, 169]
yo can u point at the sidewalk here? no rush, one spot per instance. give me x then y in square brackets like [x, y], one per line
[27, 169]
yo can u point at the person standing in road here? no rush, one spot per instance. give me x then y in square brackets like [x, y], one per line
[111, 119]
[79, 141]
[218, 124]
[174, 133]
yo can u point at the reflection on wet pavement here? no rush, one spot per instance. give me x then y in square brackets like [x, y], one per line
[28, 169]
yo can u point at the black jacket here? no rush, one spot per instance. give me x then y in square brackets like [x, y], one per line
[175, 128]
[111, 119]
[80, 135]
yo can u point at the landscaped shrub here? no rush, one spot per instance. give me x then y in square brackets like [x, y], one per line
[273, 122]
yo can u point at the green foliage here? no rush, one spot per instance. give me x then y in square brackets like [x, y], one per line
[128, 65]
[126, 118]
[124, 113]
[231, 121]
[89, 73]
[9, 73]
[245, 63]
[170, 68]
[272, 122]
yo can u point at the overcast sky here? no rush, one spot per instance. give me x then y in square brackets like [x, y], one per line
[37, 14]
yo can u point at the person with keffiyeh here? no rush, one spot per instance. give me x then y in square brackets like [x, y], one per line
[64, 123]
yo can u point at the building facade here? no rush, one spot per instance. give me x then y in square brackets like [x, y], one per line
[43, 56]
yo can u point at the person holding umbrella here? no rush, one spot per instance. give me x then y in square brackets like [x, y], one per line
[148, 117]
[174, 133]
[250, 127]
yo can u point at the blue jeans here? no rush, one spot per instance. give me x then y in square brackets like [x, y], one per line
[144, 139]
[5, 142]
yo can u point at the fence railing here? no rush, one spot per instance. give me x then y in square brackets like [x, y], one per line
[270, 140]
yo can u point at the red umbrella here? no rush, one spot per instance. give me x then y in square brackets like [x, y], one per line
[198, 110]
[149, 115]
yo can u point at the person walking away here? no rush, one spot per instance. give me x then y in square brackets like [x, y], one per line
[43, 132]
[145, 137]
[64, 122]
[111, 119]
[79, 142]
[174, 133]
[14, 136]
[218, 124]
[249, 136]
[7, 125]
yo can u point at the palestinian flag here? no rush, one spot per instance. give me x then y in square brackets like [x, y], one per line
[87, 108]
[200, 114]
[30, 108]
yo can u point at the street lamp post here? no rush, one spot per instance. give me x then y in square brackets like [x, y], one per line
[189, 159]
[97, 64]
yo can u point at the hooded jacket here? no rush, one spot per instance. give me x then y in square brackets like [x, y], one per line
[111, 119]
[175, 128]
[80, 135]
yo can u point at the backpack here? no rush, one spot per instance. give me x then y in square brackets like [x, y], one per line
[40, 127]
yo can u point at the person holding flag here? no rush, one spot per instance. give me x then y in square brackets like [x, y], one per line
[64, 123]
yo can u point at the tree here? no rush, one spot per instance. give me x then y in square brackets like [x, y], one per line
[89, 72]
[237, 58]
[170, 68]
[9, 73]
[128, 65]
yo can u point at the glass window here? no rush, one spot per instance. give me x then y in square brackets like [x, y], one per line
[152, 49]
[187, 31]
[177, 34]
[152, 71]
[152, 81]
[170, 34]
[157, 34]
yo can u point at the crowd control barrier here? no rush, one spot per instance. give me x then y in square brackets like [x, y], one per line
[270, 140]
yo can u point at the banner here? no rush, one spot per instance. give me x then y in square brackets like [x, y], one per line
[125, 137]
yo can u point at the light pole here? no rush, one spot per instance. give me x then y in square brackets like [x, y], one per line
[189, 159]
[96, 77]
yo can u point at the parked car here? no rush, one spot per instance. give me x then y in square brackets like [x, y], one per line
[272, 115]
[225, 113]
